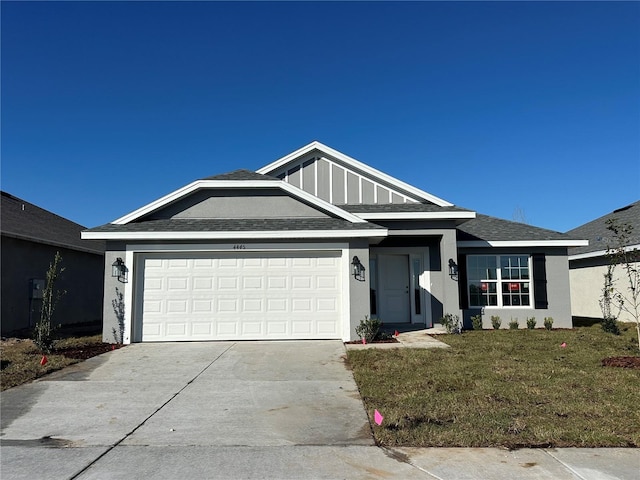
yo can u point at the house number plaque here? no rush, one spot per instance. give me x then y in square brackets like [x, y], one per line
[239, 247]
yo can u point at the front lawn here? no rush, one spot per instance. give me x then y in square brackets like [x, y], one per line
[505, 388]
[21, 360]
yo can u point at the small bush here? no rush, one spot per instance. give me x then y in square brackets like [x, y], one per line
[451, 323]
[513, 324]
[368, 328]
[476, 322]
[531, 323]
[496, 322]
[548, 322]
[383, 336]
[610, 325]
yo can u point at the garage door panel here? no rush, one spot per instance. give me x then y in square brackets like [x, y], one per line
[252, 283]
[246, 296]
[302, 282]
[277, 283]
[226, 328]
[277, 305]
[326, 282]
[277, 329]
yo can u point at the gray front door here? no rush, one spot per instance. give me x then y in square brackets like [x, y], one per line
[393, 276]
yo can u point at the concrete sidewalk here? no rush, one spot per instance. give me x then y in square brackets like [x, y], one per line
[406, 339]
[246, 410]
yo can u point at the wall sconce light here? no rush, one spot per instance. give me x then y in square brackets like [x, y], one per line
[357, 269]
[120, 270]
[453, 269]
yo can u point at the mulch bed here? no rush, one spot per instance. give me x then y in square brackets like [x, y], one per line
[623, 362]
[386, 340]
[82, 353]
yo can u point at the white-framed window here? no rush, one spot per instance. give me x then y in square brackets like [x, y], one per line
[499, 281]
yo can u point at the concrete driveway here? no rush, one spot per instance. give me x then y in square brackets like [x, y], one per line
[192, 410]
[249, 410]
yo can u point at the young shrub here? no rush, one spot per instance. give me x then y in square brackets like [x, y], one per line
[368, 328]
[610, 325]
[513, 324]
[43, 335]
[548, 322]
[496, 322]
[531, 323]
[476, 322]
[451, 323]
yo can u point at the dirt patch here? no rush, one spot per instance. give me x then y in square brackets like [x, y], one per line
[82, 353]
[623, 362]
[7, 342]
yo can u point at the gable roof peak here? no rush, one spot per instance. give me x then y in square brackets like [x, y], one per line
[377, 175]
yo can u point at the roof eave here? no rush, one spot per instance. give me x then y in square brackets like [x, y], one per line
[600, 253]
[522, 243]
[227, 235]
[228, 184]
[54, 244]
[416, 215]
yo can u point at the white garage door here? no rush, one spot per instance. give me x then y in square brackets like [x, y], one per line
[241, 296]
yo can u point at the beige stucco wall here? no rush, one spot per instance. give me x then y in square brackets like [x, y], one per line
[586, 288]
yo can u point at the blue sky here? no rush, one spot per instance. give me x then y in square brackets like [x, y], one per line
[500, 107]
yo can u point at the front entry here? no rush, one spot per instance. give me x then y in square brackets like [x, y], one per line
[394, 300]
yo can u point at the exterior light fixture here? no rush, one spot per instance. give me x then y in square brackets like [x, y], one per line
[357, 269]
[453, 269]
[120, 270]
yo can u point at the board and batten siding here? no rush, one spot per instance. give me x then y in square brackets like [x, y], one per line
[339, 184]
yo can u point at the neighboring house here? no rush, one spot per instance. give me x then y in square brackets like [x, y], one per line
[588, 264]
[31, 236]
[310, 245]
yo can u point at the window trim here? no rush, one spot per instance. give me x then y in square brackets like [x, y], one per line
[499, 282]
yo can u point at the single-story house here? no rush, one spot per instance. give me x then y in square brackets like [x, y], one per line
[311, 244]
[30, 238]
[588, 264]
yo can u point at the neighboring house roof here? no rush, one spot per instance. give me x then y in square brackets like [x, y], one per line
[325, 151]
[495, 232]
[600, 237]
[26, 221]
[236, 228]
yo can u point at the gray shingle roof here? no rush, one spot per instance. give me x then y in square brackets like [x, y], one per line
[401, 207]
[487, 228]
[598, 235]
[24, 220]
[241, 175]
[236, 225]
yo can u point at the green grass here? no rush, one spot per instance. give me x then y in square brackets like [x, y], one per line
[21, 359]
[505, 388]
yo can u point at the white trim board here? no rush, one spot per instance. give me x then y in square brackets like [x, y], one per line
[228, 184]
[415, 215]
[293, 156]
[600, 253]
[209, 235]
[523, 243]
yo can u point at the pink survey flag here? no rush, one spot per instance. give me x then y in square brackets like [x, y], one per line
[377, 417]
[364, 341]
[396, 333]
[44, 360]
[563, 344]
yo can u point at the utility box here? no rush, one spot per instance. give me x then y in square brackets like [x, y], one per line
[36, 289]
